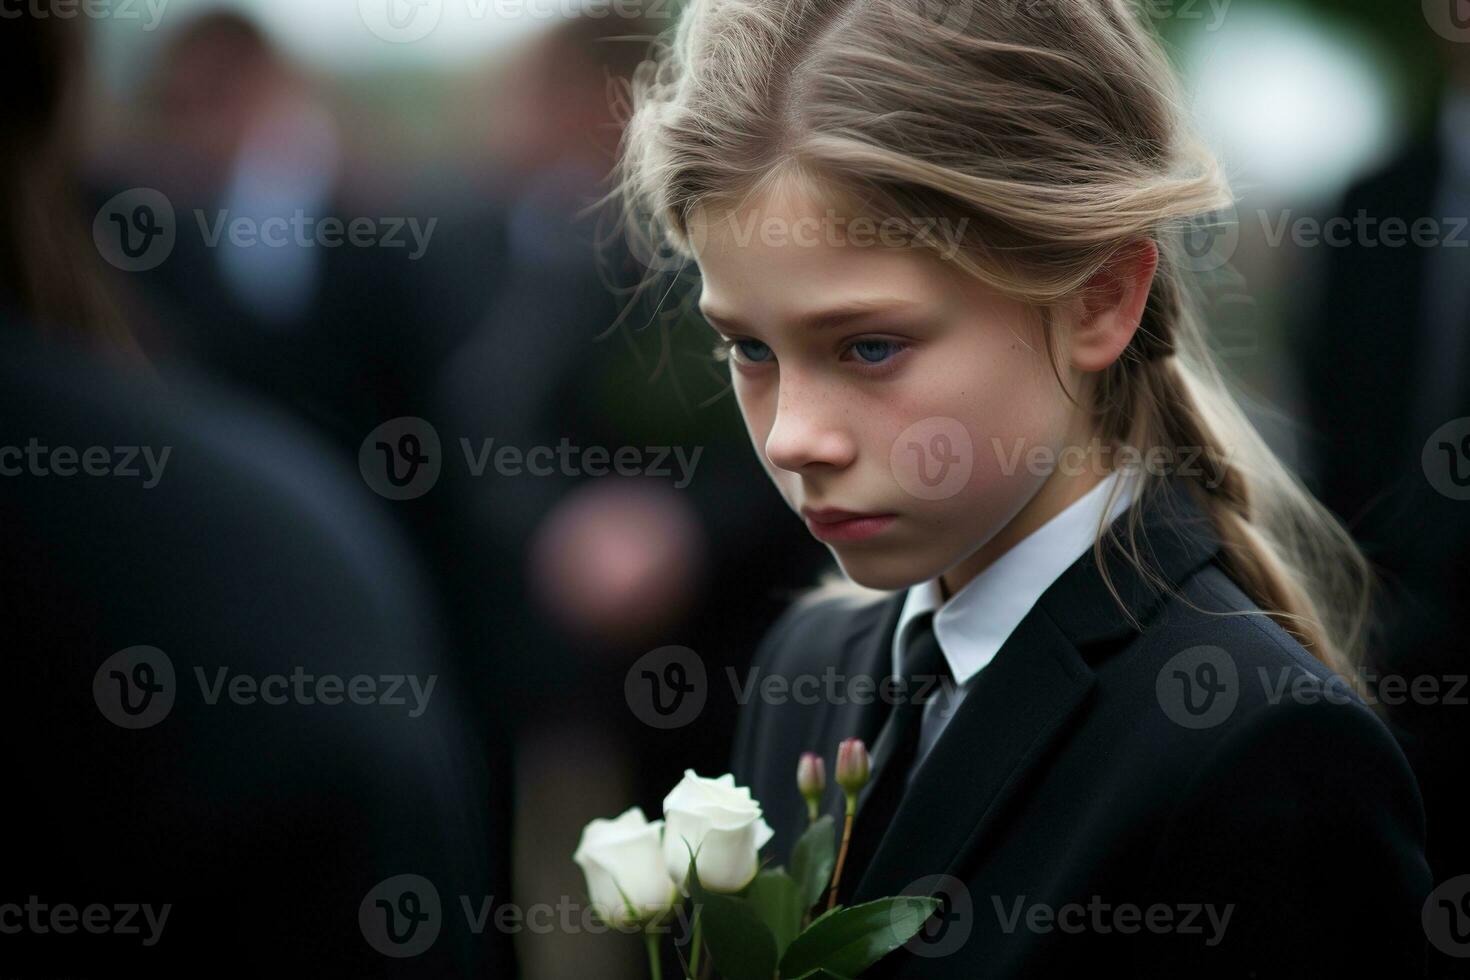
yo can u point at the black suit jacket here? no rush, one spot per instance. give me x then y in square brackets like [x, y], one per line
[1080, 779]
[262, 826]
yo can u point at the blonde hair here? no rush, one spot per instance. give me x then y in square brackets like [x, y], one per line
[1055, 128]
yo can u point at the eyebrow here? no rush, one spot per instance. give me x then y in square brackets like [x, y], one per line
[836, 316]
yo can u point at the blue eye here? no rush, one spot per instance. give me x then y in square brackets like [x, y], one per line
[750, 352]
[874, 351]
[753, 350]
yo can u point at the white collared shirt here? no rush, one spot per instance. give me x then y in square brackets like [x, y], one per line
[977, 619]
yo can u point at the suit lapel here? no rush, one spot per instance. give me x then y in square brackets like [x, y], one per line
[1018, 703]
[1022, 702]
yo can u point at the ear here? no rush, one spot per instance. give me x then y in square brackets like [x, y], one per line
[1112, 305]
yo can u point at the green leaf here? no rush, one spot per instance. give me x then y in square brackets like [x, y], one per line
[812, 860]
[776, 899]
[740, 944]
[848, 941]
[820, 974]
[830, 912]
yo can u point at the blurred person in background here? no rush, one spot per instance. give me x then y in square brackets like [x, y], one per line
[231, 131]
[1385, 365]
[153, 826]
[52, 273]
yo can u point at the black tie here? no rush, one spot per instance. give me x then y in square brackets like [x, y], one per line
[925, 673]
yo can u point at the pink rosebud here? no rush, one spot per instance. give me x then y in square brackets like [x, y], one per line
[852, 765]
[811, 780]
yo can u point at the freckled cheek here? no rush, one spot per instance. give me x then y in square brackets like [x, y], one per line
[757, 407]
[1005, 414]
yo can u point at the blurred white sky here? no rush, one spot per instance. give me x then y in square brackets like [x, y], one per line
[1295, 104]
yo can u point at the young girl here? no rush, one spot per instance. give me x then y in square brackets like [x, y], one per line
[943, 247]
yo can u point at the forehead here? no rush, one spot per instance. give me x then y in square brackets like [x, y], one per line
[801, 244]
[788, 206]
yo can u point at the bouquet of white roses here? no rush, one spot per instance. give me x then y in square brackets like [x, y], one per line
[749, 922]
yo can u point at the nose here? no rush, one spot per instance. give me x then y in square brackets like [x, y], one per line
[809, 429]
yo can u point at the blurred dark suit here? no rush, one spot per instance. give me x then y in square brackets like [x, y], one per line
[264, 826]
[1385, 362]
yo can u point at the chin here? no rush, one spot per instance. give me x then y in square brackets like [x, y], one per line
[884, 572]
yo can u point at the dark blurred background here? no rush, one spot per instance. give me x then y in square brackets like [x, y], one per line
[481, 300]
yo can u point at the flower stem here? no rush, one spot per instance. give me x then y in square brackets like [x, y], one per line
[655, 966]
[694, 945]
[842, 851]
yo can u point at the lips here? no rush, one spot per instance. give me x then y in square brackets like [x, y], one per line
[836, 524]
[833, 515]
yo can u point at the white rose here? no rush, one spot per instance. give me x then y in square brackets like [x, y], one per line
[723, 826]
[625, 853]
